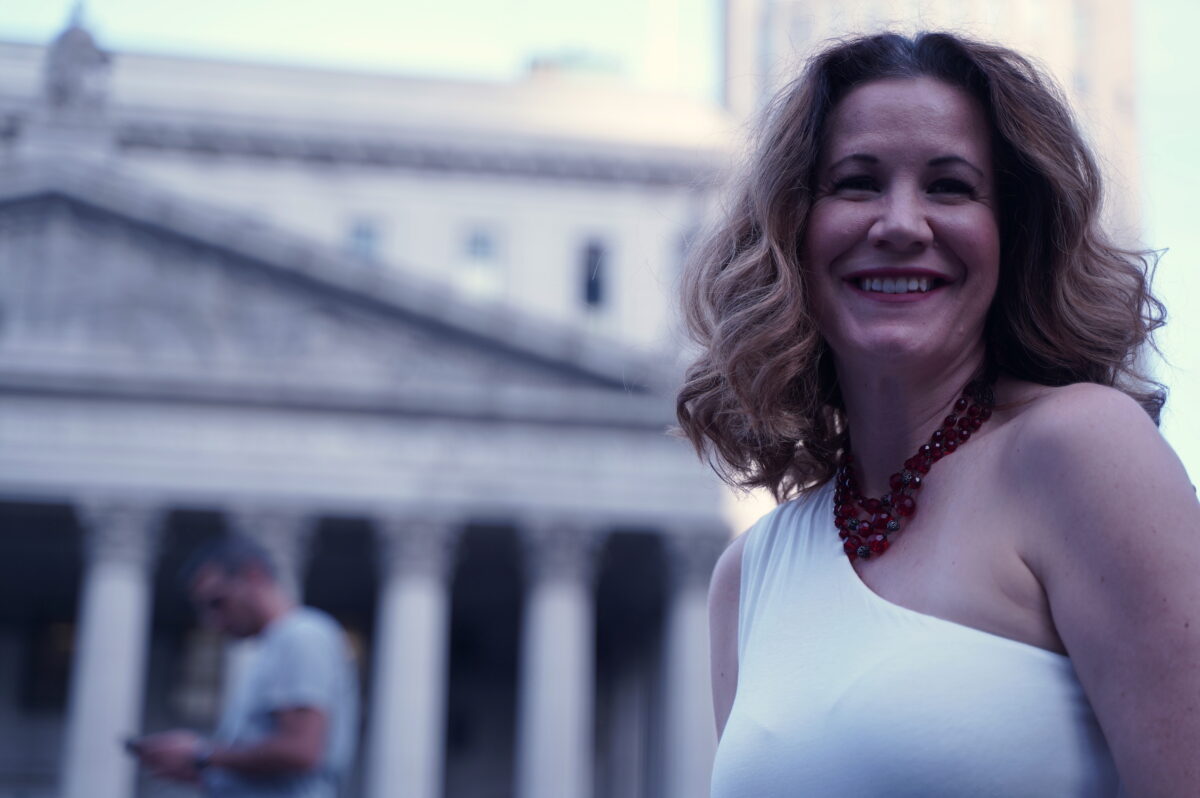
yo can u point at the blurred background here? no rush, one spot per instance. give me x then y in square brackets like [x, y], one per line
[389, 286]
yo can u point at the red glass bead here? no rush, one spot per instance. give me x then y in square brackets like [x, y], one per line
[865, 538]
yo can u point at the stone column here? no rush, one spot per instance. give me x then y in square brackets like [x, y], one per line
[689, 726]
[406, 740]
[557, 682]
[108, 671]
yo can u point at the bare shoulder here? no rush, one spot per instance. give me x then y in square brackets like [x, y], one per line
[1092, 431]
[1085, 456]
[1113, 527]
[723, 600]
[1072, 410]
[727, 574]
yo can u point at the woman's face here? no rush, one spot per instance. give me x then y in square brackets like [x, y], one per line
[902, 249]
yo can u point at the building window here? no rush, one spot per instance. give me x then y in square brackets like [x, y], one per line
[481, 272]
[481, 245]
[362, 239]
[595, 262]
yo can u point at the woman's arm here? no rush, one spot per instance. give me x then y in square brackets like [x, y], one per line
[723, 628]
[1117, 548]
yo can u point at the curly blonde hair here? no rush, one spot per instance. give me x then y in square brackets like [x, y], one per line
[761, 403]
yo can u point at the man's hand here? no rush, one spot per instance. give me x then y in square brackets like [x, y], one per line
[171, 755]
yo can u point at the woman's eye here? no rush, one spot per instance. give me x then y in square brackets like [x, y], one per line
[950, 185]
[856, 183]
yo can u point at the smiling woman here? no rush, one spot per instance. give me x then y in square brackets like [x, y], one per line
[914, 268]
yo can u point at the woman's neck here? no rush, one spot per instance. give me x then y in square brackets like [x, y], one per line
[891, 412]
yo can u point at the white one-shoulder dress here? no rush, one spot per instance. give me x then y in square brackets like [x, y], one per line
[843, 694]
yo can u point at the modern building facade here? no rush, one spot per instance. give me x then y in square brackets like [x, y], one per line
[408, 334]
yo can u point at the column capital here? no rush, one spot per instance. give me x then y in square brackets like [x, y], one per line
[561, 548]
[271, 524]
[412, 545]
[120, 530]
[284, 531]
[692, 556]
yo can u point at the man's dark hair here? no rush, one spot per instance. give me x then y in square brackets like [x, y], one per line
[232, 553]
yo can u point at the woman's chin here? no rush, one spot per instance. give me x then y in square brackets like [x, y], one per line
[898, 350]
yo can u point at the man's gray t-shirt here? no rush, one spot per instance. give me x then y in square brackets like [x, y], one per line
[302, 660]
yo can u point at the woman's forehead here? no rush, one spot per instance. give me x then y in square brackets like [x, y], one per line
[907, 114]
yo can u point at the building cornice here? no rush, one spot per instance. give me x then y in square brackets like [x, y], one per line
[530, 158]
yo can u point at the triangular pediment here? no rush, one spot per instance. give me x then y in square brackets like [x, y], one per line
[101, 275]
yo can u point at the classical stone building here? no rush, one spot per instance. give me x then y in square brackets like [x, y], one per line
[451, 437]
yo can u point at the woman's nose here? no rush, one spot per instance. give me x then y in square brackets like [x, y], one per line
[902, 225]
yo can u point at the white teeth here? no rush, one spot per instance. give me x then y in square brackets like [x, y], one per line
[894, 285]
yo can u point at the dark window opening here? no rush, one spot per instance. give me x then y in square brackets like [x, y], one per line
[594, 258]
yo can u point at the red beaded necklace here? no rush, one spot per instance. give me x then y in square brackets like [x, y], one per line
[867, 537]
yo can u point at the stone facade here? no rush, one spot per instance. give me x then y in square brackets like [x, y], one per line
[479, 487]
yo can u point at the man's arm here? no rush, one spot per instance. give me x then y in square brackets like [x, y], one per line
[295, 746]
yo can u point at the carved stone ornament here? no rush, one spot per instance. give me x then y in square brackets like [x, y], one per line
[561, 550]
[76, 73]
[285, 533]
[416, 546]
[119, 531]
[93, 283]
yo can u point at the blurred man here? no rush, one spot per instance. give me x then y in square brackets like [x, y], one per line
[289, 722]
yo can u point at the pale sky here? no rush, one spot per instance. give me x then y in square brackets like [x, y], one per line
[664, 44]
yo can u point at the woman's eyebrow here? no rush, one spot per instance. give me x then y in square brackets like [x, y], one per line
[856, 156]
[942, 160]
